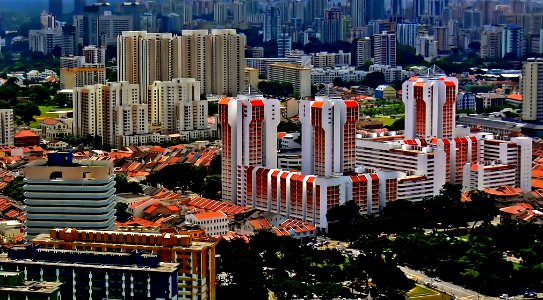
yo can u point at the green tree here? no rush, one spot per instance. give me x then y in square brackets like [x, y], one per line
[276, 88]
[182, 177]
[482, 207]
[288, 126]
[215, 166]
[15, 190]
[122, 185]
[374, 79]
[406, 56]
[121, 213]
[25, 113]
[399, 124]
[212, 187]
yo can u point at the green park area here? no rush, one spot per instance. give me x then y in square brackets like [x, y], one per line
[420, 292]
[47, 112]
[387, 121]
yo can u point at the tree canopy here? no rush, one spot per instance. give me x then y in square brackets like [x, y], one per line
[276, 88]
[292, 270]
[14, 189]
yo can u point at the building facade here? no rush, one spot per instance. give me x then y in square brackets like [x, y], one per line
[298, 76]
[249, 138]
[430, 105]
[111, 275]
[61, 193]
[7, 130]
[384, 49]
[532, 94]
[195, 259]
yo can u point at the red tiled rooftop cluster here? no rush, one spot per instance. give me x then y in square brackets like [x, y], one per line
[197, 204]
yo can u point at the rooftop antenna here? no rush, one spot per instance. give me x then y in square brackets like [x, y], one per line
[250, 90]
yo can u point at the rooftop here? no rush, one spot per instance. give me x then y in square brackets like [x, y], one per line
[163, 267]
[31, 287]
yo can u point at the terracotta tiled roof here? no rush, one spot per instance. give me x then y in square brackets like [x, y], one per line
[26, 133]
[260, 224]
[49, 121]
[209, 215]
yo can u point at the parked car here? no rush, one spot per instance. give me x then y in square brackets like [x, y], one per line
[530, 294]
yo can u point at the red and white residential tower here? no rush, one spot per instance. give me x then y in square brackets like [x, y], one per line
[430, 105]
[328, 134]
[249, 138]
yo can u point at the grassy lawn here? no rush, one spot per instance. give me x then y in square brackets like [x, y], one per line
[387, 121]
[45, 113]
[420, 290]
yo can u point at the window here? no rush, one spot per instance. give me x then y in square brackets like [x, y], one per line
[56, 175]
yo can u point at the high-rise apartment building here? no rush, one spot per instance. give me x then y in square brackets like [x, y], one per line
[47, 20]
[87, 74]
[472, 19]
[375, 10]
[358, 13]
[532, 94]
[94, 54]
[216, 59]
[272, 23]
[430, 105]
[407, 33]
[426, 47]
[314, 11]
[228, 61]
[7, 132]
[363, 51]
[62, 193]
[384, 49]
[175, 107]
[491, 41]
[196, 57]
[298, 76]
[113, 112]
[488, 11]
[513, 41]
[328, 131]
[249, 138]
[331, 26]
[143, 58]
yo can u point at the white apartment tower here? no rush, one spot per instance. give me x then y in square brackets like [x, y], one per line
[129, 117]
[228, 64]
[176, 107]
[143, 57]
[249, 138]
[196, 57]
[7, 134]
[216, 59]
[430, 105]
[91, 111]
[110, 111]
[385, 49]
[532, 93]
[94, 54]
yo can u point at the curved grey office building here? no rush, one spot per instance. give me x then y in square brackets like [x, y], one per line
[61, 193]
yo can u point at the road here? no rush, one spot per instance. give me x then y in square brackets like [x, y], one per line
[457, 291]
